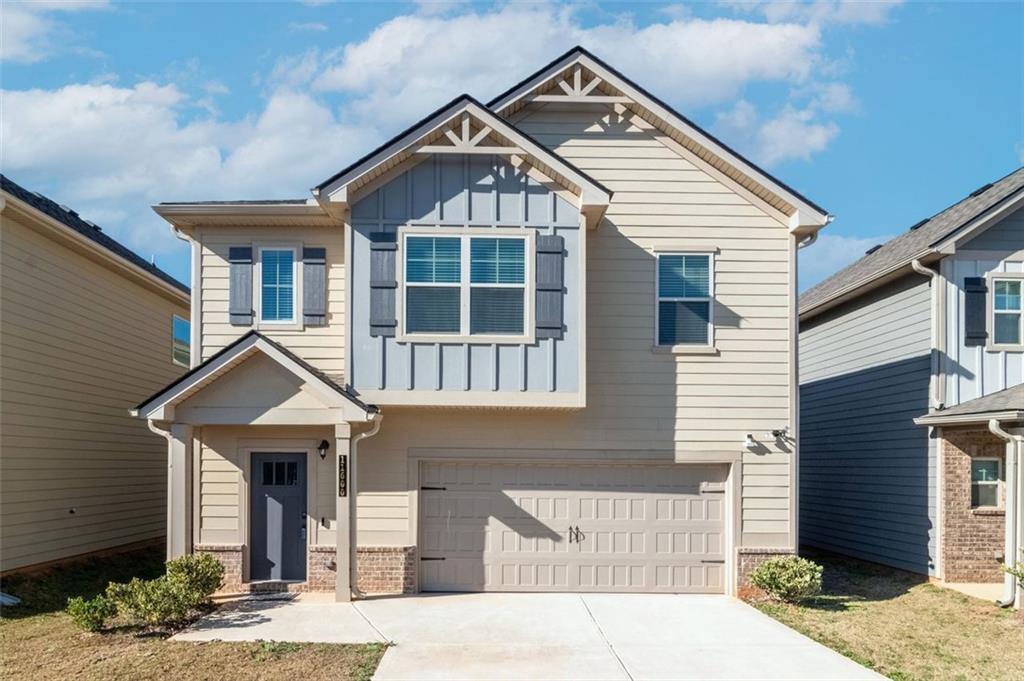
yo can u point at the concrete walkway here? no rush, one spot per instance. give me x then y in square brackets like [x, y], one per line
[545, 636]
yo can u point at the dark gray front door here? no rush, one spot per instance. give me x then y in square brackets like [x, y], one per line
[278, 517]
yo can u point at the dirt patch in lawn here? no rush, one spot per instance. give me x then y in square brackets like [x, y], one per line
[899, 625]
[38, 641]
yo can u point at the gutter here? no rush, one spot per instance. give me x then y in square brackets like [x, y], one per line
[1014, 443]
[353, 571]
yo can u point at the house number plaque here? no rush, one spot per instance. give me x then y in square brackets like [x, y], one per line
[342, 475]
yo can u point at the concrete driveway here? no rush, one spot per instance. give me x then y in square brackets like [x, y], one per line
[549, 636]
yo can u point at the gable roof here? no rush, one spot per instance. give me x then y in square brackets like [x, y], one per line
[402, 146]
[231, 356]
[698, 140]
[1005, 405]
[920, 240]
[89, 230]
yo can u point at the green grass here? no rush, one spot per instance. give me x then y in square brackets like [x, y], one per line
[38, 640]
[899, 625]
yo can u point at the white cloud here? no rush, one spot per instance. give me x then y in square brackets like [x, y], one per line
[820, 11]
[29, 32]
[313, 26]
[791, 134]
[690, 62]
[831, 253]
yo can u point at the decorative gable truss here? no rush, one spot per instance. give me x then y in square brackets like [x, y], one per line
[576, 86]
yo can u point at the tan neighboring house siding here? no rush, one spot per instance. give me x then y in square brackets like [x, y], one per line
[323, 346]
[81, 343]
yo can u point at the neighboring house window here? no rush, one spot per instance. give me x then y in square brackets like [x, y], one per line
[181, 343]
[684, 306]
[277, 285]
[986, 482]
[1007, 313]
[466, 285]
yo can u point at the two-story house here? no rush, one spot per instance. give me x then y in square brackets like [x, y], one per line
[912, 395]
[87, 329]
[547, 343]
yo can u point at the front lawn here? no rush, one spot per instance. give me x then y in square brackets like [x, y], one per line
[38, 640]
[899, 625]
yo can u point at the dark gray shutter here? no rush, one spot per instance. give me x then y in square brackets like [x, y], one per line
[550, 288]
[383, 283]
[975, 311]
[240, 294]
[314, 286]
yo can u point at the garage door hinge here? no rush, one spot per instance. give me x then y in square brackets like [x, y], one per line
[435, 489]
[431, 558]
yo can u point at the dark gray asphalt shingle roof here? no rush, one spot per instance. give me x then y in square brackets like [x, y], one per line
[1004, 400]
[242, 202]
[916, 242]
[87, 229]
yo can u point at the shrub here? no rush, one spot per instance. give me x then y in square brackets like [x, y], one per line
[170, 599]
[91, 614]
[197, 575]
[788, 578]
[1016, 570]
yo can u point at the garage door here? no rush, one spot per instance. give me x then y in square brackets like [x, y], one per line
[539, 527]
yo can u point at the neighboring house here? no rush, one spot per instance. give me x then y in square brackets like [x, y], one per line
[559, 329]
[906, 356]
[87, 329]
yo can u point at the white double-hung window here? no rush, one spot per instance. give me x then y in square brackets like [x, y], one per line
[466, 285]
[685, 294]
[277, 292]
[1007, 311]
[986, 483]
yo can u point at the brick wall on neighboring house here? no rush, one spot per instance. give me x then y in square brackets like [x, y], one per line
[972, 539]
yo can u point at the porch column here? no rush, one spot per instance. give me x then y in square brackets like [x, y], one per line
[179, 483]
[344, 500]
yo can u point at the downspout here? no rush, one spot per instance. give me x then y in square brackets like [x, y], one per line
[938, 339]
[166, 434]
[353, 572]
[1013, 445]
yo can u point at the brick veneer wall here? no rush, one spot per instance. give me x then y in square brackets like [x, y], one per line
[972, 539]
[386, 569]
[747, 559]
[230, 556]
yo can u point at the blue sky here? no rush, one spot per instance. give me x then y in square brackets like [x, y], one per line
[883, 113]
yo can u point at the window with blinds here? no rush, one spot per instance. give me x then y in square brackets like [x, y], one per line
[277, 285]
[683, 309]
[465, 285]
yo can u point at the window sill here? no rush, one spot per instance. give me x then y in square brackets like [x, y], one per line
[684, 350]
[443, 339]
[989, 511]
[1003, 347]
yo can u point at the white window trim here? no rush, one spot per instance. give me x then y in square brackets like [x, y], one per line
[174, 360]
[687, 348]
[465, 234]
[998, 482]
[295, 323]
[990, 312]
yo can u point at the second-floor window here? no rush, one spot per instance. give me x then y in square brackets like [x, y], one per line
[1007, 313]
[181, 341]
[466, 285]
[684, 305]
[277, 285]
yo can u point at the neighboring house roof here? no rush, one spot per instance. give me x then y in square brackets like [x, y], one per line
[920, 240]
[1005, 405]
[239, 202]
[89, 230]
[403, 145]
[232, 355]
[700, 141]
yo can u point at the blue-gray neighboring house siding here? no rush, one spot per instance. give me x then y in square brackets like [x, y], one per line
[465, 191]
[867, 473]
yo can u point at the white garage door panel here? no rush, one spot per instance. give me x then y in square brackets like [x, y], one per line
[505, 527]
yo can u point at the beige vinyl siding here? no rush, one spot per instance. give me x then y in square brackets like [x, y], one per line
[80, 345]
[322, 346]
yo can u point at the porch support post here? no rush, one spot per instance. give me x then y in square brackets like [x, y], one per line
[344, 501]
[179, 484]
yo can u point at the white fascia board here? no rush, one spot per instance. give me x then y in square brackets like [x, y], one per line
[967, 419]
[809, 217]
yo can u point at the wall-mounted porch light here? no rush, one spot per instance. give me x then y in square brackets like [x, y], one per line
[322, 448]
[748, 442]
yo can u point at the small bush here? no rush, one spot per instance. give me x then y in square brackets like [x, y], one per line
[198, 576]
[91, 614]
[170, 599]
[789, 578]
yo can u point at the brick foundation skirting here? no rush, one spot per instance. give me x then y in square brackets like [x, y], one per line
[230, 556]
[747, 560]
[386, 569]
[972, 539]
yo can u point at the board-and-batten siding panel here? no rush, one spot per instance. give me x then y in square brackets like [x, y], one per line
[976, 371]
[324, 346]
[81, 345]
[640, 404]
[867, 473]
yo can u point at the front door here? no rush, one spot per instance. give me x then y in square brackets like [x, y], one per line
[278, 517]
